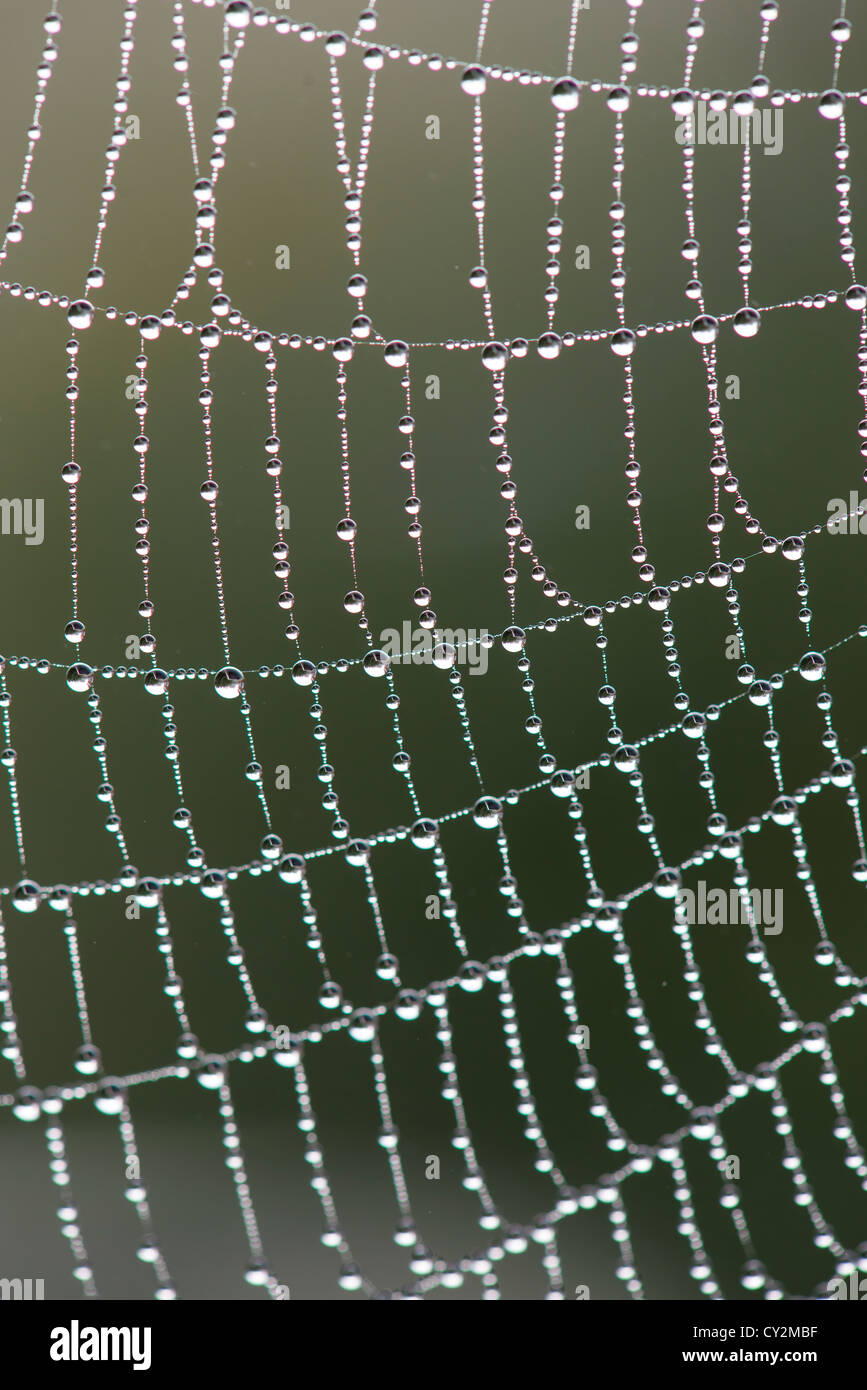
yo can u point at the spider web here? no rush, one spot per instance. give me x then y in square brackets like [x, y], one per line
[813, 1015]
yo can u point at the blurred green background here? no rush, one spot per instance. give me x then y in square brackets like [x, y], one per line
[792, 439]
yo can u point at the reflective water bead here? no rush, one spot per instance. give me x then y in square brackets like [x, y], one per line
[80, 314]
[812, 666]
[705, 329]
[376, 663]
[229, 682]
[831, 105]
[487, 812]
[495, 356]
[396, 353]
[565, 94]
[746, 322]
[156, 682]
[80, 677]
[473, 81]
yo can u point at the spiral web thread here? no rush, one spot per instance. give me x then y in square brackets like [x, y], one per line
[427, 1270]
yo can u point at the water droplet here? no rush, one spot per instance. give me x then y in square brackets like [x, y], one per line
[495, 356]
[842, 773]
[856, 297]
[291, 868]
[705, 329]
[25, 895]
[746, 322]
[74, 631]
[213, 884]
[719, 575]
[666, 883]
[424, 834]
[396, 353]
[271, 847]
[783, 810]
[80, 314]
[87, 1059]
[814, 1037]
[623, 342]
[626, 758]
[514, 639]
[229, 682]
[408, 1005]
[238, 13]
[703, 1124]
[110, 1097]
[357, 853]
[487, 812]
[335, 45]
[754, 1275]
[303, 673]
[330, 995]
[682, 103]
[793, 547]
[474, 81]
[362, 1025]
[376, 663]
[759, 693]
[156, 682]
[27, 1105]
[472, 976]
[565, 94]
[659, 599]
[549, 345]
[831, 105]
[387, 966]
[211, 1073]
[80, 677]
[150, 327]
[812, 666]
[444, 656]
[350, 1278]
[618, 99]
[608, 918]
[694, 725]
[147, 892]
